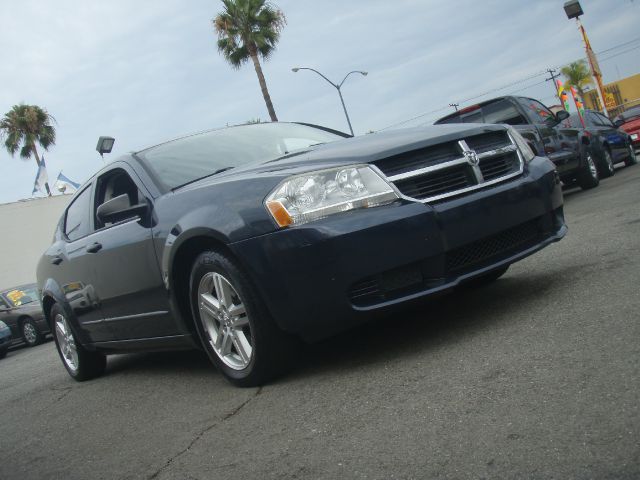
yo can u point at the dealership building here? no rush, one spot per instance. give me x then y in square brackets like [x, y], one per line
[27, 231]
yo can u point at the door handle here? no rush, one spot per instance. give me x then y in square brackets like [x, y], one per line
[94, 247]
[57, 260]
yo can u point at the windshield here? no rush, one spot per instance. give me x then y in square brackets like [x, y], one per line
[21, 296]
[184, 160]
[499, 111]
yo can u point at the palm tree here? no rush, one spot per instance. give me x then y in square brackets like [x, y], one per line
[577, 75]
[249, 29]
[24, 126]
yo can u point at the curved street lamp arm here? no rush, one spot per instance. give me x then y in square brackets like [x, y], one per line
[345, 77]
[314, 70]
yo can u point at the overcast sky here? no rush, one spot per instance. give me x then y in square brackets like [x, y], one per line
[146, 71]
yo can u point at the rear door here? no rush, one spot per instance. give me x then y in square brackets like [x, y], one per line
[73, 269]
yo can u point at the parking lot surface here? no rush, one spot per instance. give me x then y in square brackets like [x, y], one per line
[535, 376]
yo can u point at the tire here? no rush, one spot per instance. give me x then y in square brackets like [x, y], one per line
[632, 160]
[234, 326]
[3, 352]
[588, 176]
[487, 278]
[606, 169]
[80, 363]
[30, 333]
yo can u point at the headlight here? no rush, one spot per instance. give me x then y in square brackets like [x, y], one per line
[522, 144]
[311, 196]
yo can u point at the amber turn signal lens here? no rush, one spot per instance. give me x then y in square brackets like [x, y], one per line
[279, 213]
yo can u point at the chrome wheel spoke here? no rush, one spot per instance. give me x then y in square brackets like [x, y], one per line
[210, 304]
[223, 292]
[227, 342]
[242, 346]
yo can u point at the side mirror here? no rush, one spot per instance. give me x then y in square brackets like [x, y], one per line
[557, 118]
[119, 208]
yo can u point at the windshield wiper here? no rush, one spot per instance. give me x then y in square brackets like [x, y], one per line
[220, 170]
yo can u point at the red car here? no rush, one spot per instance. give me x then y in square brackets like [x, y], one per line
[629, 121]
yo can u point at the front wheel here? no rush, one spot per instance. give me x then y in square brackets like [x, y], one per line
[632, 160]
[30, 333]
[588, 176]
[235, 328]
[81, 364]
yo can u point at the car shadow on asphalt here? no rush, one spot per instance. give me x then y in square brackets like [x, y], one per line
[423, 326]
[426, 325]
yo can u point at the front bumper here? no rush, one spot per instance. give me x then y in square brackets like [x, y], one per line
[326, 276]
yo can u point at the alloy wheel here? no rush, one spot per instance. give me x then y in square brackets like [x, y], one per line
[225, 321]
[66, 342]
[29, 332]
[593, 170]
[608, 161]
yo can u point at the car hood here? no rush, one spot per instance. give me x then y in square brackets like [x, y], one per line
[363, 149]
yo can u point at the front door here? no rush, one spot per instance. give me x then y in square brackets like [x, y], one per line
[129, 284]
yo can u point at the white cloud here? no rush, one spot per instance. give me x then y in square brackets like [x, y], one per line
[146, 71]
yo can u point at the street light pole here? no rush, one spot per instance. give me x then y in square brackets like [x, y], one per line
[337, 87]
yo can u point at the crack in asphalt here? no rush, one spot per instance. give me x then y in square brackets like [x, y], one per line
[200, 434]
[65, 391]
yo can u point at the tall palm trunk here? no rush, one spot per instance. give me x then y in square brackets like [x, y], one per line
[35, 154]
[263, 84]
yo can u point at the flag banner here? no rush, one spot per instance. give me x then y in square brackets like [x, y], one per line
[579, 105]
[65, 185]
[41, 179]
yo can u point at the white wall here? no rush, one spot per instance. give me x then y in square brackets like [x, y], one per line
[26, 230]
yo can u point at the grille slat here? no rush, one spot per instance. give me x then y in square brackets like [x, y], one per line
[438, 182]
[490, 248]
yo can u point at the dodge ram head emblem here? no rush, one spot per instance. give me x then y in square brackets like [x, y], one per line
[471, 156]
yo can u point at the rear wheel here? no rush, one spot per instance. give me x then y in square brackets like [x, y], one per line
[606, 165]
[588, 176]
[30, 333]
[235, 328]
[632, 159]
[81, 364]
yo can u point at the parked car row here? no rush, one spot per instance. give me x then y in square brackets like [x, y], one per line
[582, 154]
[21, 311]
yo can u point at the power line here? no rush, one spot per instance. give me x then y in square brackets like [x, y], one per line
[620, 45]
[552, 77]
[551, 71]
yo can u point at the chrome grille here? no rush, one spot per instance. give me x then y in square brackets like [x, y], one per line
[454, 168]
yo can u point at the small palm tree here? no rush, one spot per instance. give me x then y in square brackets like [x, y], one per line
[24, 126]
[577, 75]
[248, 29]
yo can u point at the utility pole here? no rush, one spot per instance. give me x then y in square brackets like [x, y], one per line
[552, 77]
[454, 105]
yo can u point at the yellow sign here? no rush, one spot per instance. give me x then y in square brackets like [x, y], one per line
[15, 296]
[609, 100]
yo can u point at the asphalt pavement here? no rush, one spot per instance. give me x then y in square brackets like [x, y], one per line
[533, 377]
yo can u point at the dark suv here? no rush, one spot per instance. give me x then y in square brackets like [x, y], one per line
[567, 147]
[241, 240]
